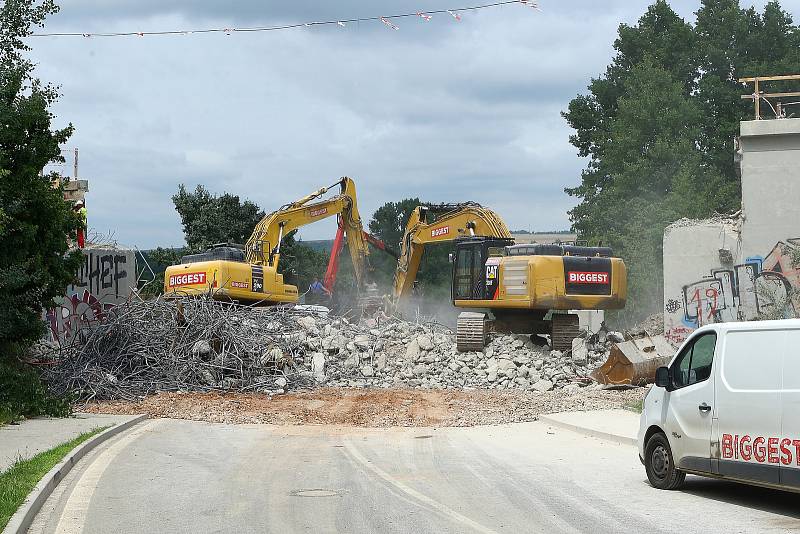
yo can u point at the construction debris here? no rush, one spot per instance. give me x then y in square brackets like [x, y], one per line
[142, 348]
[635, 362]
[372, 407]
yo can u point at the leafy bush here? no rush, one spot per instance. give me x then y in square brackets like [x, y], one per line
[22, 393]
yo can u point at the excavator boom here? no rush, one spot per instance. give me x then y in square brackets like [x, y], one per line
[451, 222]
[263, 247]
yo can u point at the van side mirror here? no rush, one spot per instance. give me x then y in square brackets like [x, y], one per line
[662, 378]
[451, 257]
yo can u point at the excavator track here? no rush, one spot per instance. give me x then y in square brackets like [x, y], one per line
[563, 329]
[471, 332]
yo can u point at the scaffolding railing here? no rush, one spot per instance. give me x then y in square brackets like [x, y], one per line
[757, 96]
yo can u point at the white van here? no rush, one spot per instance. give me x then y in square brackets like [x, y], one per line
[727, 406]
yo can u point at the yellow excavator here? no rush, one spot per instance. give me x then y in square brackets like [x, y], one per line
[524, 289]
[251, 275]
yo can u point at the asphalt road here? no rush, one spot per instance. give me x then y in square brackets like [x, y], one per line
[183, 476]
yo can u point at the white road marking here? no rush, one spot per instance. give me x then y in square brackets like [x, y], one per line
[73, 517]
[436, 505]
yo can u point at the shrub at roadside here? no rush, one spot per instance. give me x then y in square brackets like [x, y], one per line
[23, 394]
[35, 222]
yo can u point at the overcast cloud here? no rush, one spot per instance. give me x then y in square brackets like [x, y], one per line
[440, 110]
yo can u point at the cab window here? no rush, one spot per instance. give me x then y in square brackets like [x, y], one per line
[694, 363]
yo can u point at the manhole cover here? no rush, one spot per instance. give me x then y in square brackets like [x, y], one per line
[317, 492]
[426, 436]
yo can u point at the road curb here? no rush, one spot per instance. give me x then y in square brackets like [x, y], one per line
[23, 517]
[608, 436]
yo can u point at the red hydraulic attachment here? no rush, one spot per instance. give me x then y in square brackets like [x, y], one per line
[333, 261]
[338, 245]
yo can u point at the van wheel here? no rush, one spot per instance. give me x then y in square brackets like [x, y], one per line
[660, 467]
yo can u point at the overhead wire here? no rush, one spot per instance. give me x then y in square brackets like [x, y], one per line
[425, 15]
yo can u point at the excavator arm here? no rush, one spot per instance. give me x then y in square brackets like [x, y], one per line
[264, 245]
[451, 222]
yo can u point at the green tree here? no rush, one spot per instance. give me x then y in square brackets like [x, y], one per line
[657, 178]
[388, 223]
[156, 260]
[735, 43]
[301, 264]
[209, 219]
[658, 128]
[36, 222]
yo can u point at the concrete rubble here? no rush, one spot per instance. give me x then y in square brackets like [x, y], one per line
[395, 353]
[210, 346]
[150, 347]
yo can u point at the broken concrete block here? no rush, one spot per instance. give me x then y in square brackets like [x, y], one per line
[201, 348]
[424, 343]
[362, 341]
[616, 337]
[580, 352]
[412, 351]
[318, 366]
[307, 322]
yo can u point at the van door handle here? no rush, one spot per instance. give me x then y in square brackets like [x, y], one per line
[704, 407]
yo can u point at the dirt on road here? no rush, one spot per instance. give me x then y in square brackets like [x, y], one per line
[372, 407]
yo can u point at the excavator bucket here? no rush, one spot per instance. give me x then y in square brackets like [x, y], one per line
[634, 362]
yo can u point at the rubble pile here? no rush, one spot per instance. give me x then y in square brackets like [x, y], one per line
[201, 345]
[401, 354]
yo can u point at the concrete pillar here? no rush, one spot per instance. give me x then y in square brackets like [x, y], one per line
[770, 165]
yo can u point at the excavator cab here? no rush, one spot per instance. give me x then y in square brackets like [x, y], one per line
[476, 262]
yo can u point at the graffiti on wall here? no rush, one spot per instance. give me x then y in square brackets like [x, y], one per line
[104, 271]
[105, 279]
[761, 287]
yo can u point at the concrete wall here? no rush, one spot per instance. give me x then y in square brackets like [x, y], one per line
[770, 164]
[106, 278]
[697, 280]
[757, 278]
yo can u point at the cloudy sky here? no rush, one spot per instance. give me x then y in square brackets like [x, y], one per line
[442, 110]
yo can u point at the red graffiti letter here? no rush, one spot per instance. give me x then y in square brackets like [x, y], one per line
[759, 450]
[796, 444]
[772, 450]
[727, 446]
[746, 449]
[786, 452]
